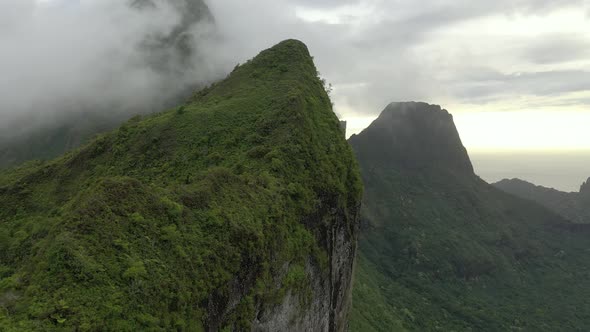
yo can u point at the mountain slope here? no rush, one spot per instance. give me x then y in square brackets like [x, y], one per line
[441, 250]
[236, 211]
[572, 206]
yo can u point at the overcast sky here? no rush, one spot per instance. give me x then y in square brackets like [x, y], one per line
[59, 57]
[515, 73]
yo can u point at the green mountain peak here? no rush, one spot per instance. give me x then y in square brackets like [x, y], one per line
[237, 210]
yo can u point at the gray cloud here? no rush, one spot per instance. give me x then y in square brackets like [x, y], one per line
[558, 48]
[86, 54]
[67, 57]
[377, 57]
[485, 85]
[324, 3]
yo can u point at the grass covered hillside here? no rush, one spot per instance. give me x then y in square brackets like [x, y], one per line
[441, 250]
[203, 217]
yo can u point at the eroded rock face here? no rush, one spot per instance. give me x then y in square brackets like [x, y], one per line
[331, 289]
[325, 306]
[437, 146]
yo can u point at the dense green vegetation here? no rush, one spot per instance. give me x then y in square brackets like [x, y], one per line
[181, 220]
[574, 206]
[441, 250]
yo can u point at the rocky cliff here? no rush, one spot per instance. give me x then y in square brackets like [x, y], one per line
[235, 211]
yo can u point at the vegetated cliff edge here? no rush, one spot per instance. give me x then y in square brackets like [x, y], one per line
[441, 250]
[236, 211]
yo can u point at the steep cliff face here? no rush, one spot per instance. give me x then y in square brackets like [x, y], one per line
[332, 293]
[236, 211]
[441, 250]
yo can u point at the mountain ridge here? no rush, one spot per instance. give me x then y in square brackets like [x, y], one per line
[572, 206]
[235, 211]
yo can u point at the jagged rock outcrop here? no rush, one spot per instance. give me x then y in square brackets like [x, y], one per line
[236, 211]
[396, 138]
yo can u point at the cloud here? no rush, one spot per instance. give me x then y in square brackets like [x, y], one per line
[61, 57]
[376, 51]
[558, 49]
[68, 55]
[482, 85]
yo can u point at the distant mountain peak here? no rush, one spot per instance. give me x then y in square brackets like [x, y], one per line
[416, 135]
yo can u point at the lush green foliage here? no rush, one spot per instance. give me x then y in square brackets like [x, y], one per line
[440, 250]
[152, 226]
